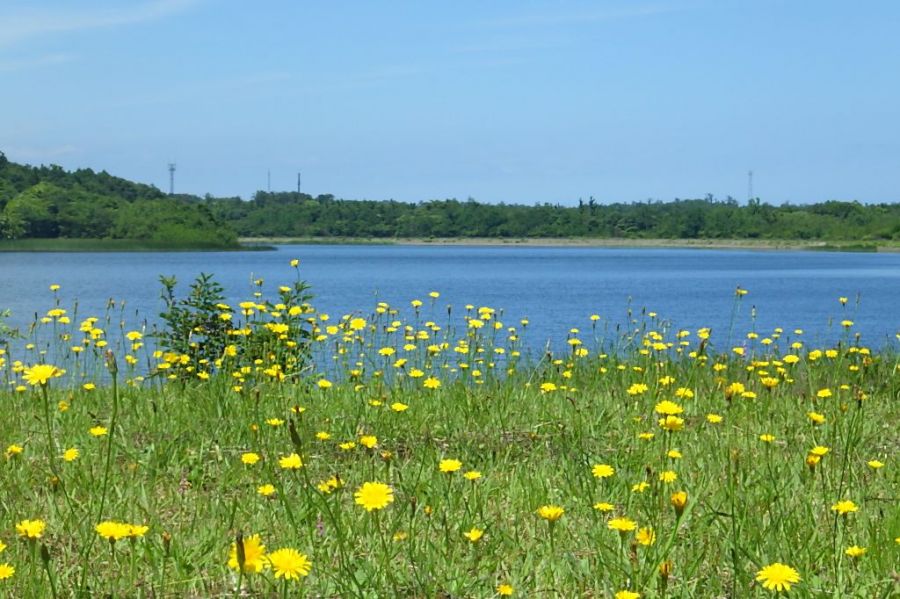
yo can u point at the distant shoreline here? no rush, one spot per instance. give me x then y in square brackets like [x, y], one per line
[749, 244]
[267, 243]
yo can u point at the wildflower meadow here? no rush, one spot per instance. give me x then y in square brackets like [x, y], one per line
[267, 449]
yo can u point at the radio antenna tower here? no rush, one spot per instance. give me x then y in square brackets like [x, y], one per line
[298, 181]
[171, 178]
[749, 185]
[269, 180]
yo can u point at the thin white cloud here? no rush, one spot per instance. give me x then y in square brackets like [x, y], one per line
[17, 27]
[34, 62]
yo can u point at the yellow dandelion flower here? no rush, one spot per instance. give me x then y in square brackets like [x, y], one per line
[602, 470]
[474, 535]
[448, 466]
[254, 555]
[623, 525]
[249, 458]
[550, 513]
[844, 507]
[289, 564]
[374, 496]
[645, 536]
[40, 374]
[31, 529]
[778, 577]
[291, 462]
[6, 571]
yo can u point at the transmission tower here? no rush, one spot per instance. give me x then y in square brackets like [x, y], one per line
[171, 178]
[298, 181]
[749, 185]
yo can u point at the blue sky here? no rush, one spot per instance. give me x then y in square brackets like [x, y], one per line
[515, 101]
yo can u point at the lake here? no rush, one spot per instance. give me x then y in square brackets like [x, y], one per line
[556, 288]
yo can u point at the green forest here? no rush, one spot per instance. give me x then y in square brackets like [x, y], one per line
[300, 215]
[48, 202]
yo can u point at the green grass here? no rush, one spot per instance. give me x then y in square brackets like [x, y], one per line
[533, 431]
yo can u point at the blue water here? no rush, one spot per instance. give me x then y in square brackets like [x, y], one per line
[555, 288]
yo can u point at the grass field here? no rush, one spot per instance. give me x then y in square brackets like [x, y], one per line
[420, 455]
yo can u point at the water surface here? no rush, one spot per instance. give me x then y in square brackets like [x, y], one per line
[556, 288]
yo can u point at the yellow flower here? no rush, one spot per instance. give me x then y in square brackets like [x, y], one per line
[815, 417]
[778, 577]
[249, 458]
[398, 406]
[472, 475]
[671, 423]
[327, 486]
[431, 383]
[474, 534]
[6, 571]
[668, 408]
[374, 496]
[137, 530]
[71, 454]
[369, 441]
[254, 555]
[40, 374]
[448, 466]
[766, 438]
[98, 431]
[14, 450]
[875, 464]
[324, 384]
[602, 470]
[713, 418]
[844, 507]
[550, 513]
[855, 551]
[31, 529]
[266, 490]
[627, 595]
[112, 531]
[645, 536]
[668, 476]
[623, 525]
[679, 501]
[289, 564]
[505, 590]
[819, 451]
[603, 506]
[291, 462]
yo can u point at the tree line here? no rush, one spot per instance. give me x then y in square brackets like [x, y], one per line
[291, 214]
[50, 202]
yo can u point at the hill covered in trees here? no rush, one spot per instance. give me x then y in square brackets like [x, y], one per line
[301, 215]
[48, 202]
